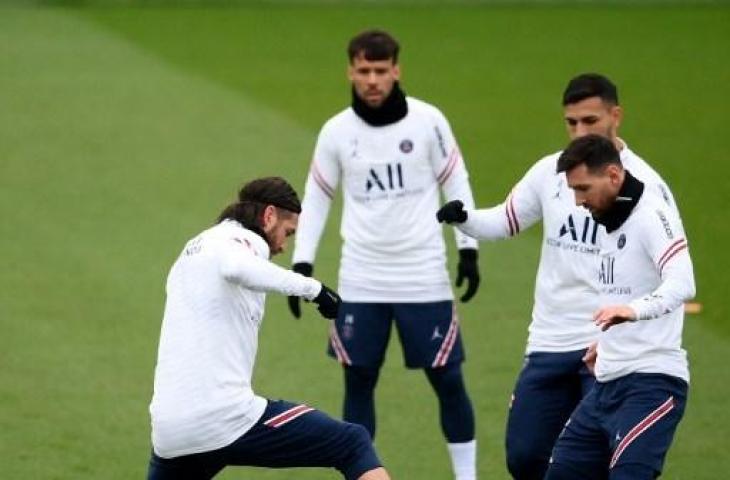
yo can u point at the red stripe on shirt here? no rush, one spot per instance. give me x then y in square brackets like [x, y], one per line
[319, 179]
[511, 205]
[669, 249]
[446, 172]
[668, 256]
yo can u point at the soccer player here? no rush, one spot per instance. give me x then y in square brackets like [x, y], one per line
[393, 154]
[554, 377]
[205, 414]
[623, 428]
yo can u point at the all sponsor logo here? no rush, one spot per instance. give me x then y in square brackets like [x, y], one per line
[605, 274]
[621, 241]
[584, 232]
[385, 177]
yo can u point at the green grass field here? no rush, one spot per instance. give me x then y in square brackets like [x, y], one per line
[123, 131]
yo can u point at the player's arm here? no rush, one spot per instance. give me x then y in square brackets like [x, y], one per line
[453, 178]
[664, 239]
[521, 209]
[319, 191]
[240, 265]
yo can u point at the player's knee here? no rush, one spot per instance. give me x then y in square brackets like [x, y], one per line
[448, 381]
[558, 471]
[359, 437]
[360, 456]
[526, 462]
[362, 379]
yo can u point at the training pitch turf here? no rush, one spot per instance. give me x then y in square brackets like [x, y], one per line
[124, 131]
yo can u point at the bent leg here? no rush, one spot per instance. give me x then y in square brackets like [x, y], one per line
[547, 391]
[290, 435]
[199, 466]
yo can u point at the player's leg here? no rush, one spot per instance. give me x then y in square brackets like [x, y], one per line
[457, 418]
[199, 466]
[429, 333]
[651, 406]
[290, 435]
[359, 403]
[358, 340]
[547, 391]
[581, 450]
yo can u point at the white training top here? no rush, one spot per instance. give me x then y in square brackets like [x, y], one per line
[565, 292]
[216, 291]
[393, 248]
[645, 263]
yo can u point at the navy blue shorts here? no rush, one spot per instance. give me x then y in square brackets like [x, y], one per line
[549, 387]
[287, 435]
[429, 334]
[627, 421]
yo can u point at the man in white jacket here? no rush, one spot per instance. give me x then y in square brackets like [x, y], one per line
[205, 414]
[393, 155]
[623, 428]
[554, 377]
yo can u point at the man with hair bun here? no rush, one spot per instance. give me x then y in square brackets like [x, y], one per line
[205, 414]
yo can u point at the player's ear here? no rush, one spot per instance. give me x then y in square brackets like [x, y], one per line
[618, 115]
[268, 218]
[614, 174]
[396, 71]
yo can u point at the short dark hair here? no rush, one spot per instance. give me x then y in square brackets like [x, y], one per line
[589, 85]
[255, 196]
[374, 45]
[595, 151]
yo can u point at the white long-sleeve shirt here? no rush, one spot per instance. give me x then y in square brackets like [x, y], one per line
[645, 263]
[203, 399]
[565, 294]
[393, 249]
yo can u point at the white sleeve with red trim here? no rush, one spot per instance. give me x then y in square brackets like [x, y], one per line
[451, 173]
[241, 265]
[665, 241]
[322, 181]
[521, 209]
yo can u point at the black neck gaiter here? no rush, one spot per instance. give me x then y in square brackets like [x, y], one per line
[628, 197]
[393, 109]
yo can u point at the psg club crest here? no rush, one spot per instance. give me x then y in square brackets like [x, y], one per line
[621, 241]
[406, 146]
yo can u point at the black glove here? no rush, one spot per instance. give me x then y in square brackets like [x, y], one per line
[469, 270]
[452, 212]
[305, 269]
[328, 302]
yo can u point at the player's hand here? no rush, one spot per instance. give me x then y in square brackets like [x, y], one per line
[590, 357]
[452, 212]
[305, 269]
[328, 302]
[469, 270]
[607, 317]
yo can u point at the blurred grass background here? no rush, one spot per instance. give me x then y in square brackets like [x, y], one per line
[126, 126]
